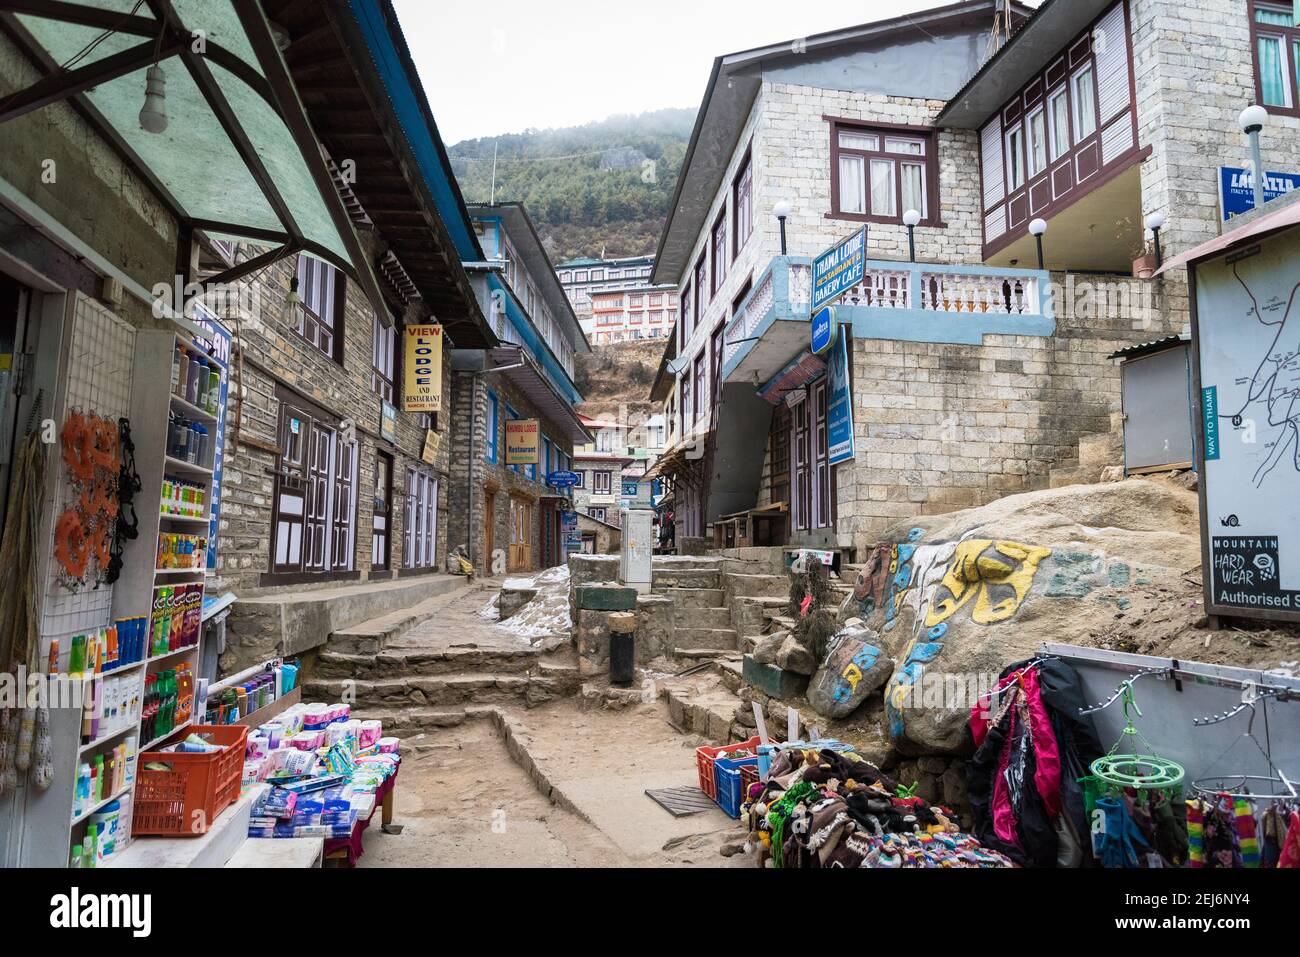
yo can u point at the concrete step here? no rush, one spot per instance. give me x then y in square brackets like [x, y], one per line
[427, 691]
[369, 637]
[702, 617]
[720, 638]
[663, 578]
[397, 663]
[695, 597]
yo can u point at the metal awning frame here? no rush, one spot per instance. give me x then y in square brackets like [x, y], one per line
[166, 37]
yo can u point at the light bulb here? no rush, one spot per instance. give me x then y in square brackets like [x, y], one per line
[781, 209]
[911, 218]
[153, 115]
[1037, 227]
[1156, 221]
[1253, 118]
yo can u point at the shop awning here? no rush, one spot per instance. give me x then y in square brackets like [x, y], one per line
[1286, 217]
[676, 458]
[797, 374]
[237, 158]
[522, 371]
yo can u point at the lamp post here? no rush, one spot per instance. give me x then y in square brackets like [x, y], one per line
[1155, 222]
[910, 220]
[1036, 229]
[1252, 120]
[782, 210]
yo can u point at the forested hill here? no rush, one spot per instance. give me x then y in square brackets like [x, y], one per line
[599, 188]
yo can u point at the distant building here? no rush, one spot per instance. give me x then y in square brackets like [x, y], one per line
[611, 287]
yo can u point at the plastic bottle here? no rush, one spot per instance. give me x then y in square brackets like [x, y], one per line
[214, 389]
[82, 799]
[176, 367]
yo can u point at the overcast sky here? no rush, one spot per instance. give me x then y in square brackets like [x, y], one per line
[502, 66]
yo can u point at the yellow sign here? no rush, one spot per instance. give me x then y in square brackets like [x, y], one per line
[422, 371]
[522, 442]
[429, 454]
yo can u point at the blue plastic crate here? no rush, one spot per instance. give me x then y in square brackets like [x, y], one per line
[726, 778]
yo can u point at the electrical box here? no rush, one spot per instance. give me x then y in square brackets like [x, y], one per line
[637, 548]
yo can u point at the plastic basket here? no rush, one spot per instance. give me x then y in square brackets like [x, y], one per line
[748, 777]
[184, 800]
[727, 776]
[704, 758]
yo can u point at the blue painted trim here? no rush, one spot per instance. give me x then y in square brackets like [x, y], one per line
[782, 309]
[406, 105]
[534, 343]
[494, 427]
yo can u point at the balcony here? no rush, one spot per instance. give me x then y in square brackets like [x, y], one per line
[915, 302]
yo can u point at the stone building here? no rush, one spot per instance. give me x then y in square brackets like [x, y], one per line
[972, 372]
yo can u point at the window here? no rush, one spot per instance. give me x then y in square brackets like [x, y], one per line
[685, 389]
[600, 482]
[1015, 158]
[715, 355]
[720, 249]
[596, 513]
[493, 427]
[700, 385]
[879, 175]
[1059, 106]
[383, 361]
[381, 523]
[320, 320]
[701, 271]
[686, 315]
[1085, 104]
[1277, 56]
[582, 478]
[1037, 142]
[421, 532]
[742, 205]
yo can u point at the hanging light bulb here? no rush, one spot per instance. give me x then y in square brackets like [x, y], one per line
[153, 115]
[292, 303]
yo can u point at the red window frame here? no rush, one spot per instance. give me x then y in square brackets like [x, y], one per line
[928, 160]
[742, 204]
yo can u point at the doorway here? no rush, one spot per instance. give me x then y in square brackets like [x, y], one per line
[521, 539]
[489, 529]
[381, 534]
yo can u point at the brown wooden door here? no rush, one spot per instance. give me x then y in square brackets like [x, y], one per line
[317, 512]
[521, 542]
[381, 534]
[489, 528]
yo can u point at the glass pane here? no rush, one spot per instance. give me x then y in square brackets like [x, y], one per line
[1085, 106]
[914, 188]
[1277, 18]
[858, 141]
[852, 185]
[911, 147]
[1037, 143]
[1015, 159]
[1272, 79]
[882, 188]
[1060, 124]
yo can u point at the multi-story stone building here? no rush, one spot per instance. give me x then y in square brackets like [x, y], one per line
[973, 374]
[614, 300]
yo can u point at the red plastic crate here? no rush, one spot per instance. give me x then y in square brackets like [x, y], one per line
[184, 800]
[704, 758]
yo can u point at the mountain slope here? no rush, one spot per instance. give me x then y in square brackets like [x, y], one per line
[603, 187]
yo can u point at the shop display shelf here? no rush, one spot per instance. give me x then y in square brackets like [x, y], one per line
[188, 519]
[163, 737]
[180, 571]
[105, 802]
[105, 738]
[176, 653]
[192, 410]
[179, 465]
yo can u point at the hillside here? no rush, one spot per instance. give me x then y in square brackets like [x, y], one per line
[603, 187]
[618, 375]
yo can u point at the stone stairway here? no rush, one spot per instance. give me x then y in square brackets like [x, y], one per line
[1097, 451]
[701, 619]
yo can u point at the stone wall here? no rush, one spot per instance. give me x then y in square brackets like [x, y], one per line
[275, 358]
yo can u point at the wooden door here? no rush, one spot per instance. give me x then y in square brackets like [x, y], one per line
[489, 527]
[380, 537]
[287, 543]
[521, 523]
[317, 510]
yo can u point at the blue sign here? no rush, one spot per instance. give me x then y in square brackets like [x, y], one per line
[561, 479]
[1210, 415]
[824, 327]
[839, 407]
[839, 269]
[1237, 189]
[630, 487]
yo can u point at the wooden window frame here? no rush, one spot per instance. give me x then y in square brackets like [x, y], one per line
[718, 252]
[929, 161]
[383, 381]
[701, 269]
[310, 321]
[384, 465]
[742, 201]
[1290, 37]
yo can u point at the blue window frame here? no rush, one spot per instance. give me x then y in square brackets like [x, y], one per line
[494, 415]
[547, 466]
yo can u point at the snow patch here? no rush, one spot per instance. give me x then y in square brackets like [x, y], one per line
[547, 614]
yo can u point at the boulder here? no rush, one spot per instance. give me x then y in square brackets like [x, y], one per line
[767, 647]
[792, 656]
[854, 667]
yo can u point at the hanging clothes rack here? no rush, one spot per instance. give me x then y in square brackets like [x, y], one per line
[1238, 785]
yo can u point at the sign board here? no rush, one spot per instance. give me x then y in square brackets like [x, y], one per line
[422, 370]
[1237, 189]
[825, 327]
[569, 529]
[432, 442]
[839, 405]
[523, 438]
[637, 493]
[562, 479]
[839, 269]
[217, 346]
[387, 421]
[1246, 323]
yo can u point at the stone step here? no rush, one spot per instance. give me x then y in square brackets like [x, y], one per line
[369, 637]
[720, 638]
[1100, 449]
[695, 597]
[397, 663]
[757, 586]
[702, 617]
[707, 654]
[1073, 475]
[685, 578]
[428, 691]
[750, 615]
[706, 708]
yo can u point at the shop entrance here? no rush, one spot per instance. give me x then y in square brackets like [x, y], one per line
[17, 324]
[489, 529]
[381, 534]
[521, 539]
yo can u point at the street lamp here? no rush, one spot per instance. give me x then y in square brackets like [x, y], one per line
[782, 210]
[1156, 222]
[1036, 229]
[1252, 120]
[910, 220]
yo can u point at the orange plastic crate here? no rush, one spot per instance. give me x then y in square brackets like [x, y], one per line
[184, 800]
[704, 758]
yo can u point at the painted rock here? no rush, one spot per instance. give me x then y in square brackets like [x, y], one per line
[854, 668]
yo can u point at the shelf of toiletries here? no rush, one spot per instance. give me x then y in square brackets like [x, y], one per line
[175, 619]
[181, 552]
[195, 382]
[182, 500]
